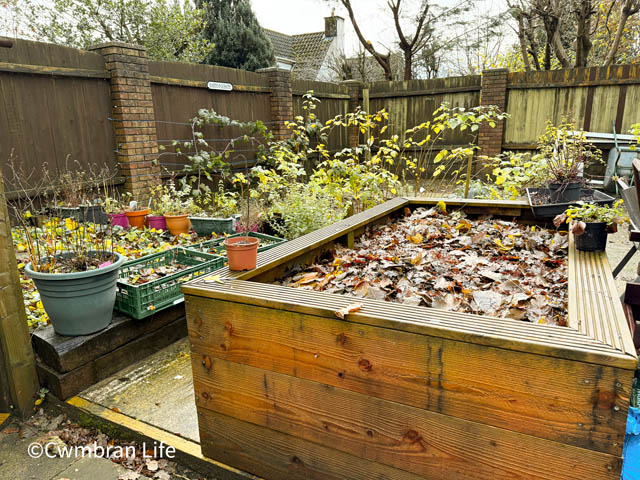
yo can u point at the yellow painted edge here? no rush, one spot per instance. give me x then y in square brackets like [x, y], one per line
[180, 444]
[3, 418]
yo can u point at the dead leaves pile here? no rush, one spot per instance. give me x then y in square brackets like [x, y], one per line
[450, 262]
[146, 275]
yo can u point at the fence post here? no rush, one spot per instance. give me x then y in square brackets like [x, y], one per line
[18, 378]
[133, 115]
[354, 88]
[281, 100]
[493, 92]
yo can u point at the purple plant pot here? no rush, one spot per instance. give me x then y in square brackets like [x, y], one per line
[159, 223]
[119, 219]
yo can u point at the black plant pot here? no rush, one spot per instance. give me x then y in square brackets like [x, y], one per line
[565, 192]
[594, 238]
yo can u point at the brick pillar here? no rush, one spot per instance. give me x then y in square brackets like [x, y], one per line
[281, 100]
[354, 88]
[494, 92]
[133, 115]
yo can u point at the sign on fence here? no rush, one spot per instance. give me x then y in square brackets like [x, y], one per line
[227, 87]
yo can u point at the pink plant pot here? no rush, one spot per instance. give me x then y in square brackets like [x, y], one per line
[119, 219]
[159, 222]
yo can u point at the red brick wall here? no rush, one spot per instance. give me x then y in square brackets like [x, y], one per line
[281, 100]
[133, 115]
[494, 92]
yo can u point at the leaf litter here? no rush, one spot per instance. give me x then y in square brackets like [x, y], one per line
[486, 266]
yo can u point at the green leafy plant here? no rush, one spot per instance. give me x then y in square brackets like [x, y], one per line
[513, 173]
[584, 213]
[567, 152]
[635, 131]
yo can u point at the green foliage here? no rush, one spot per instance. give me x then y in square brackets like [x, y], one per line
[304, 208]
[513, 173]
[635, 131]
[591, 212]
[567, 151]
[169, 30]
[239, 39]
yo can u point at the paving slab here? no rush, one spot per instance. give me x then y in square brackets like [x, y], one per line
[90, 468]
[157, 390]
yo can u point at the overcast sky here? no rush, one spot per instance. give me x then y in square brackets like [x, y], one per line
[373, 16]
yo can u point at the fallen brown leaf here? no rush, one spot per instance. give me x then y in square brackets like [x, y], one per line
[354, 307]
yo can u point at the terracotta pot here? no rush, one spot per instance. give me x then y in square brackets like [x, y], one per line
[241, 255]
[178, 224]
[137, 218]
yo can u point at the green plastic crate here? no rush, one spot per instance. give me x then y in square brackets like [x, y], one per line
[140, 301]
[217, 243]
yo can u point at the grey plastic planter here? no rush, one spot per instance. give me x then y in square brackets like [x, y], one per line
[205, 226]
[78, 303]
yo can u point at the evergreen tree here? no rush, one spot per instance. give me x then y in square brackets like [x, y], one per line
[239, 39]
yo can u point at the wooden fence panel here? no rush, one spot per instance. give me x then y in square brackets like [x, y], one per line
[412, 103]
[179, 92]
[334, 100]
[57, 111]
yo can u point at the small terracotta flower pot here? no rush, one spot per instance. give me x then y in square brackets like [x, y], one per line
[242, 254]
[178, 224]
[137, 218]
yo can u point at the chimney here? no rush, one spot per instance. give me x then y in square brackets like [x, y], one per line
[333, 26]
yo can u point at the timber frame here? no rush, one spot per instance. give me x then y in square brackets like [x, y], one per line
[454, 395]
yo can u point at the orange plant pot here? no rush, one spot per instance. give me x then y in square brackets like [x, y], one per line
[241, 255]
[178, 224]
[137, 218]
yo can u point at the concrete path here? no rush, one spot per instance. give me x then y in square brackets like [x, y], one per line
[157, 390]
[17, 464]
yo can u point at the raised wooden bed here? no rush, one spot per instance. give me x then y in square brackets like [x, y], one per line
[286, 390]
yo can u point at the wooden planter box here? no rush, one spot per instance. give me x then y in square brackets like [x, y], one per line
[286, 390]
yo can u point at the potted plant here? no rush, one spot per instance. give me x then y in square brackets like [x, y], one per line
[75, 271]
[567, 152]
[137, 216]
[217, 212]
[113, 207]
[242, 252]
[178, 205]
[590, 223]
[158, 208]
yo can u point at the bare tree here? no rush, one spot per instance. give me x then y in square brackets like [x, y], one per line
[415, 33]
[566, 30]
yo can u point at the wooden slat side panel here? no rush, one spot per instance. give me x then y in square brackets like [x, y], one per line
[561, 400]
[277, 456]
[559, 342]
[425, 443]
[594, 306]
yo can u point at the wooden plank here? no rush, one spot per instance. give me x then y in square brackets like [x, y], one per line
[419, 93]
[558, 342]
[17, 363]
[278, 456]
[542, 396]
[198, 84]
[52, 71]
[65, 385]
[64, 354]
[429, 444]
[594, 305]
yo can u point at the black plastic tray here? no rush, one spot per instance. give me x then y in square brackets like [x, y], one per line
[550, 210]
